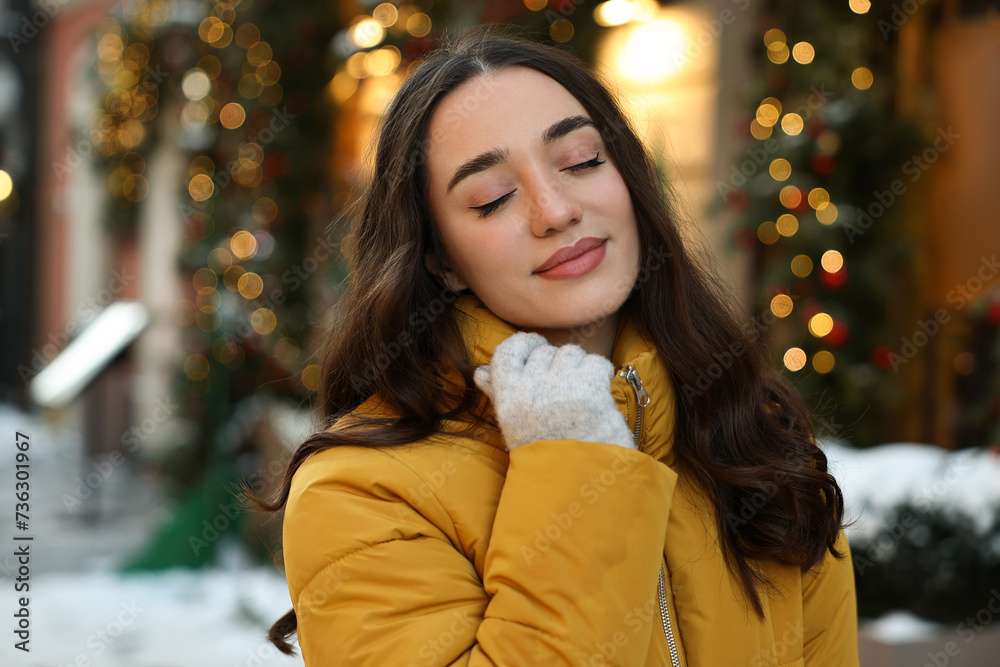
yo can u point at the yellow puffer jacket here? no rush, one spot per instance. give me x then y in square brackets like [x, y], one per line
[454, 552]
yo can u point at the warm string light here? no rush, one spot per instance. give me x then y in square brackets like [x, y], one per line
[767, 118]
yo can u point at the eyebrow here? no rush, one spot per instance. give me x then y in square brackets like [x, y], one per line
[496, 156]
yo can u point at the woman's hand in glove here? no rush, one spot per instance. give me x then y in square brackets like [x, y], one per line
[542, 392]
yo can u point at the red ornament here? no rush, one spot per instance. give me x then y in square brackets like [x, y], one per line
[418, 46]
[815, 127]
[838, 335]
[297, 103]
[809, 310]
[775, 290]
[805, 289]
[993, 312]
[833, 281]
[741, 128]
[803, 201]
[745, 238]
[276, 165]
[824, 164]
[881, 357]
[736, 200]
[777, 79]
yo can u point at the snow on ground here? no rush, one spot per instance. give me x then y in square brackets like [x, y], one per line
[85, 614]
[178, 618]
[874, 480]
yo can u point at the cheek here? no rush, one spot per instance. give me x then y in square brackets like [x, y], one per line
[479, 256]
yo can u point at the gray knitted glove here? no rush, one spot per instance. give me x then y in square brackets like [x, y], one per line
[542, 392]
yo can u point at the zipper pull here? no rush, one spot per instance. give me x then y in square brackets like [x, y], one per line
[632, 376]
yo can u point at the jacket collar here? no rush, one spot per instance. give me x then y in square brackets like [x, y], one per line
[483, 331]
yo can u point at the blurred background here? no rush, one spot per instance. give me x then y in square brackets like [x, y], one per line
[173, 177]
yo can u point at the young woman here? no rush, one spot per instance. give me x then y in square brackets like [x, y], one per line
[523, 464]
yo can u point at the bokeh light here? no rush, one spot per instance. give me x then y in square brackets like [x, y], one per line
[820, 324]
[823, 361]
[386, 14]
[832, 261]
[263, 321]
[860, 6]
[232, 116]
[802, 265]
[790, 196]
[768, 233]
[780, 169]
[862, 78]
[243, 244]
[250, 285]
[794, 359]
[6, 185]
[803, 53]
[827, 213]
[787, 224]
[311, 377]
[781, 305]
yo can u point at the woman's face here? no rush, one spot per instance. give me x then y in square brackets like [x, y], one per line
[517, 172]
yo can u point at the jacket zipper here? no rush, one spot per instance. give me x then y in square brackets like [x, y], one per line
[661, 591]
[643, 399]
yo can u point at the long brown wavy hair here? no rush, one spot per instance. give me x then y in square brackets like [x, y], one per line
[744, 437]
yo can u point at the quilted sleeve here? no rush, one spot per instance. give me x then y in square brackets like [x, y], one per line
[574, 553]
[830, 612]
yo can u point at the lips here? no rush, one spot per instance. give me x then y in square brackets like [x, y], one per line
[569, 252]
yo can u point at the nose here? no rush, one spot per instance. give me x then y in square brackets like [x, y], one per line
[551, 207]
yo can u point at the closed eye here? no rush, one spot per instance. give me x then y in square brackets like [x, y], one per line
[595, 162]
[487, 209]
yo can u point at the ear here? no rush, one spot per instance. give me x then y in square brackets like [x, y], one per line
[445, 275]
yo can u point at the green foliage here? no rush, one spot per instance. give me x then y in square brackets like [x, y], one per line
[931, 562]
[855, 148]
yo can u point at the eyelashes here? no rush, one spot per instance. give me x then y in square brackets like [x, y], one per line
[492, 206]
[486, 209]
[596, 161]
